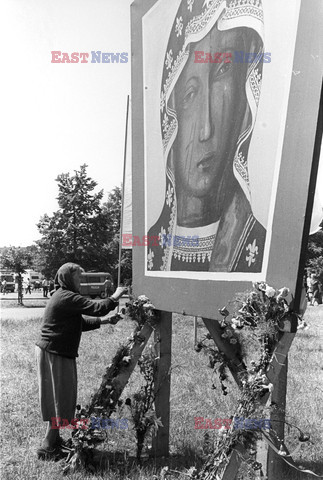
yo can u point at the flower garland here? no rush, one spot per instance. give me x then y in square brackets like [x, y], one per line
[141, 404]
[107, 397]
[257, 321]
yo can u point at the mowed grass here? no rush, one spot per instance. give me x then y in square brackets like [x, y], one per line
[27, 303]
[191, 396]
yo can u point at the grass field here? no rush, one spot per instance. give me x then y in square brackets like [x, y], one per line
[191, 396]
[29, 303]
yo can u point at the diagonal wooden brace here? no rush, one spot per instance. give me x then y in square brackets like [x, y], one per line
[230, 466]
[117, 380]
[232, 352]
[113, 383]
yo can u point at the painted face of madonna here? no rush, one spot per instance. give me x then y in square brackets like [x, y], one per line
[208, 99]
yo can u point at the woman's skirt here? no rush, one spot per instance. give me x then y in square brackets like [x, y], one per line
[57, 379]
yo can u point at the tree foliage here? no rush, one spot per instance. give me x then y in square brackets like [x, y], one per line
[112, 209]
[17, 260]
[76, 231]
[315, 254]
[82, 230]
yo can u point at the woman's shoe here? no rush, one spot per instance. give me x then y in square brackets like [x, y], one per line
[49, 453]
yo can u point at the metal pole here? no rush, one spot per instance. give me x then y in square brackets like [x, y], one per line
[122, 192]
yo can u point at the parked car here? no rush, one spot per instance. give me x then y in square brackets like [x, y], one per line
[93, 284]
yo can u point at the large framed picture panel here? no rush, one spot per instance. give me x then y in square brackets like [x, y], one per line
[225, 100]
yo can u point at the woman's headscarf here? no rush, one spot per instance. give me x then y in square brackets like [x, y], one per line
[64, 277]
[193, 21]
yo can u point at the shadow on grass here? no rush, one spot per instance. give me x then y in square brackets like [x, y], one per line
[33, 306]
[122, 465]
[7, 306]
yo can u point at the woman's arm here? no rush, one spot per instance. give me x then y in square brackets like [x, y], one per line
[94, 308]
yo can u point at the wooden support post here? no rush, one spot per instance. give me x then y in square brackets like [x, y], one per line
[163, 335]
[195, 331]
[276, 464]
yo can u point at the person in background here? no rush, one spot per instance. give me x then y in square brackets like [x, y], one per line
[29, 285]
[45, 287]
[57, 349]
[315, 287]
[51, 285]
[4, 286]
[309, 289]
[302, 323]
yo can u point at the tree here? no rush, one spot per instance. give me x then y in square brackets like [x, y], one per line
[17, 260]
[76, 232]
[112, 210]
[82, 230]
[315, 254]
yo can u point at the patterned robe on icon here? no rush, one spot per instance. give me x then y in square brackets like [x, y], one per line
[236, 242]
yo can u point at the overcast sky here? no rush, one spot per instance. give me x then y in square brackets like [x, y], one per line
[57, 116]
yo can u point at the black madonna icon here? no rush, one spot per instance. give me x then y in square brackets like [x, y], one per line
[207, 116]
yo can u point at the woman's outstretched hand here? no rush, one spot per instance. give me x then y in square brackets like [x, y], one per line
[113, 320]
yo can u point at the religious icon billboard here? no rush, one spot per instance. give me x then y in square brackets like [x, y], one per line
[212, 92]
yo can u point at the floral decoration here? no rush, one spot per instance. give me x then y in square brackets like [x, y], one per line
[257, 320]
[107, 398]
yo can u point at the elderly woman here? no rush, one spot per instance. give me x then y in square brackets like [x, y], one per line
[57, 348]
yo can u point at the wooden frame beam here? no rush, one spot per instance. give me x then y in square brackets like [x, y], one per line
[163, 340]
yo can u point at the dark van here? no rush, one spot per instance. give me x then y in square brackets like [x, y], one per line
[9, 278]
[93, 284]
